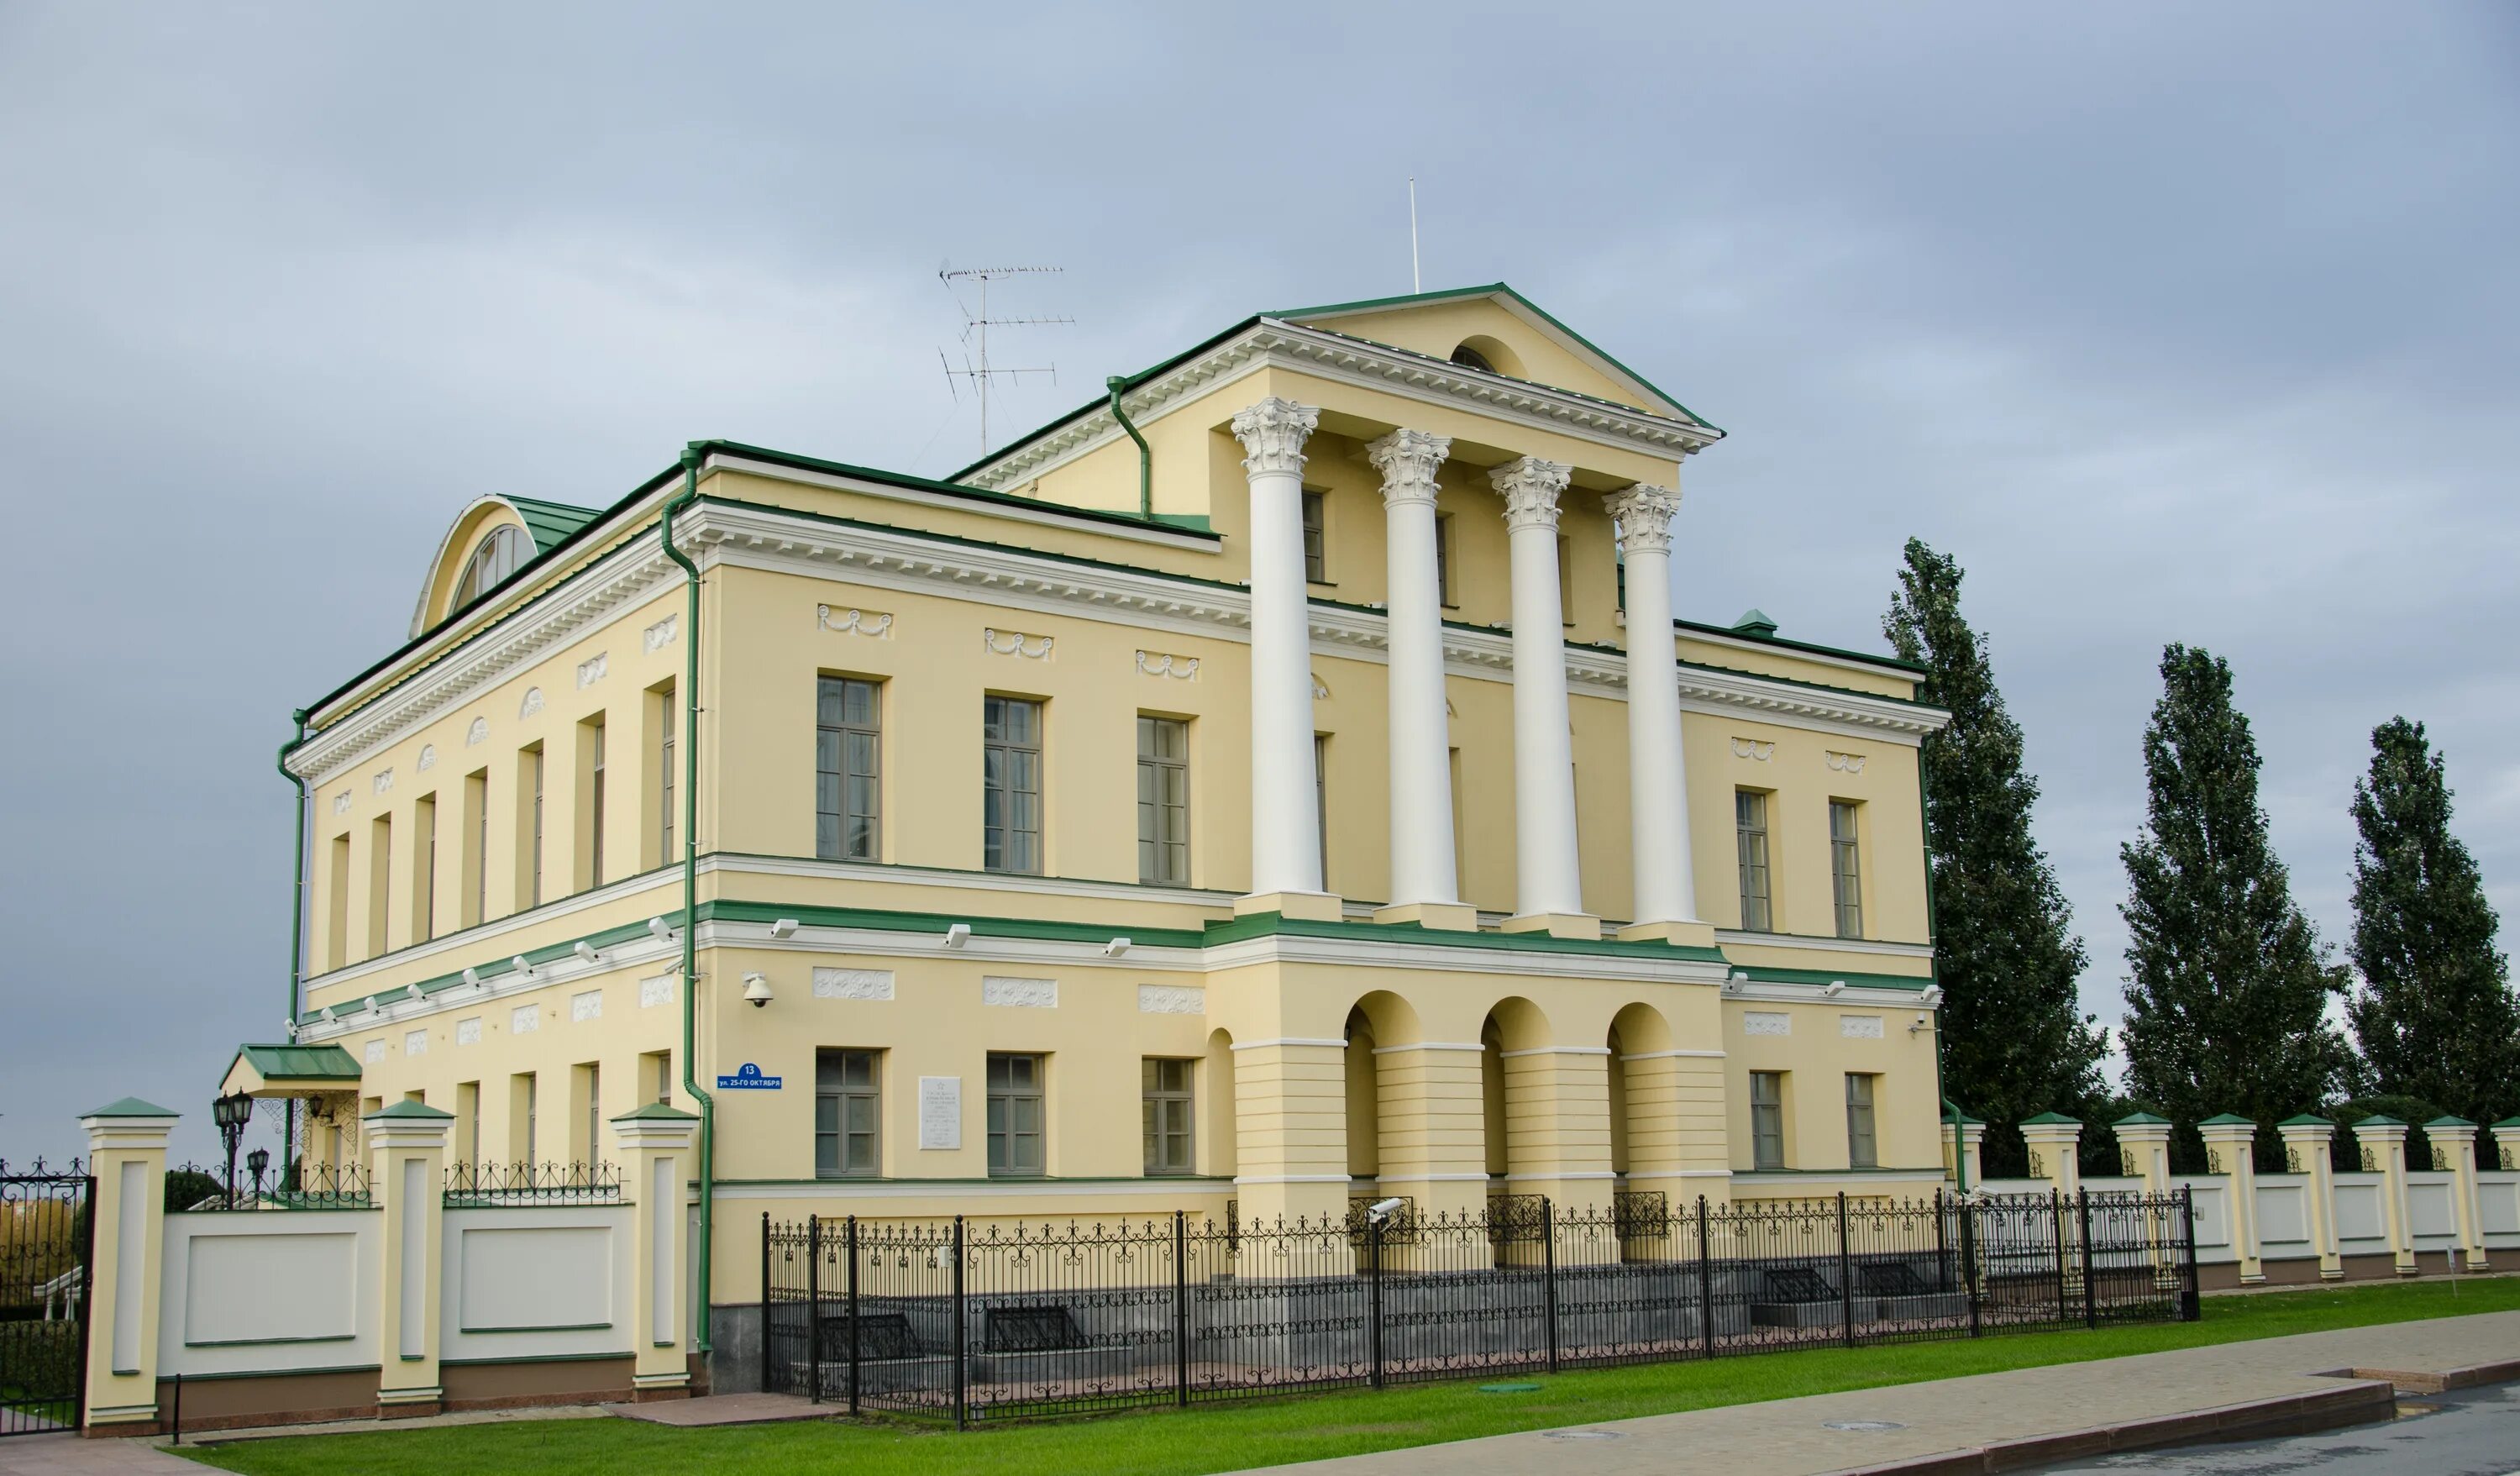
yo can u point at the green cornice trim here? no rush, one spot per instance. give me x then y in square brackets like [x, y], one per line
[955, 489]
[1787, 642]
[2509, 1121]
[543, 1328]
[300, 1063]
[1265, 924]
[321, 1337]
[1760, 973]
[132, 1106]
[1152, 1181]
[659, 1112]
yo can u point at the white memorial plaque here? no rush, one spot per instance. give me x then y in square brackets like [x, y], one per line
[940, 1112]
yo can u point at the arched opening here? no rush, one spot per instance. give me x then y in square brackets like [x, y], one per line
[1379, 1018]
[1509, 1093]
[493, 559]
[1489, 356]
[1220, 1134]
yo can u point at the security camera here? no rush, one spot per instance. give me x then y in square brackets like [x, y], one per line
[520, 964]
[1933, 996]
[1835, 988]
[785, 927]
[1384, 1209]
[958, 935]
[657, 929]
[756, 990]
[1919, 1026]
[585, 950]
[1115, 948]
[411, 992]
[472, 976]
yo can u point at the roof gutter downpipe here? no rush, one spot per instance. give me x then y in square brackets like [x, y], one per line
[296, 925]
[1146, 458]
[690, 745]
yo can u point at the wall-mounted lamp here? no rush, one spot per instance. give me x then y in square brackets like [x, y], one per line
[371, 1005]
[756, 990]
[1835, 988]
[657, 930]
[472, 976]
[958, 935]
[1933, 996]
[785, 927]
[1733, 981]
[412, 992]
[585, 950]
[325, 1013]
[1115, 948]
[520, 964]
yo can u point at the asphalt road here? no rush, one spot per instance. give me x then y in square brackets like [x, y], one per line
[2475, 1432]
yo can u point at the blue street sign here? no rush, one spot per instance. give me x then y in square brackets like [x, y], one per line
[748, 1078]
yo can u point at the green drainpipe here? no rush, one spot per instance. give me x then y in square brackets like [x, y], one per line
[1934, 971]
[296, 926]
[1146, 458]
[690, 743]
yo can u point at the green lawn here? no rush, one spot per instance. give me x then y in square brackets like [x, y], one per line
[1235, 1436]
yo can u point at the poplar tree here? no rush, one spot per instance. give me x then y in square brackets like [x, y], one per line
[2435, 1012]
[2014, 1042]
[2227, 985]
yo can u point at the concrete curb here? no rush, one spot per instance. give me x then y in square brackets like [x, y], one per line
[2415, 1381]
[2359, 1401]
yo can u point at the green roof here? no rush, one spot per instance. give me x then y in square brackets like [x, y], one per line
[2048, 1119]
[2141, 1120]
[323, 1062]
[657, 1112]
[132, 1106]
[2448, 1121]
[2379, 1120]
[1755, 621]
[2226, 1120]
[2509, 1121]
[551, 522]
[2305, 1120]
[412, 1109]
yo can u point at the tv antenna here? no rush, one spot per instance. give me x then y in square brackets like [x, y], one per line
[976, 323]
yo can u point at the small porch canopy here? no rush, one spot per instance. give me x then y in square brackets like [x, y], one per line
[284, 1071]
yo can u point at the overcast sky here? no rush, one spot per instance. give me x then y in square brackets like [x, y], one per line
[2172, 322]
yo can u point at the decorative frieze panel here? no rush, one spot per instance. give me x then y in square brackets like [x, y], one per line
[467, 1031]
[658, 636]
[1767, 1022]
[415, 1042]
[587, 1005]
[1171, 998]
[374, 1052]
[1846, 763]
[383, 783]
[427, 757]
[1161, 664]
[1009, 643]
[477, 733]
[1860, 1027]
[656, 990]
[524, 1019]
[591, 670]
[853, 984]
[873, 624]
[532, 703]
[341, 803]
[1021, 993]
[1758, 750]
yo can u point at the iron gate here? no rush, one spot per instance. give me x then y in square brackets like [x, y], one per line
[47, 1242]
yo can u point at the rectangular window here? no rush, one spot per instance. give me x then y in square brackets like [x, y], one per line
[424, 870]
[1317, 569]
[1767, 1119]
[337, 904]
[1014, 1115]
[1444, 561]
[1565, 586]
[530, 893]
[1165, 1115]
[666, 819]
[849, 769]
[595, 800]
[1322, 799]
[1862, 1150]
[657, 1071]
[1011, 776]
[1843, 872]
[467, 1121]
[476, 848]
[1750, 831]
[1163, 800]
[379, 881]
[848, 1115]
[593, 1125]
[520, 1117]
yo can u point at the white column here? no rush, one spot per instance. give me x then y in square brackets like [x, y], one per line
[1666, 884]
[1549, 884]
[1286, 824]
[1423, 886]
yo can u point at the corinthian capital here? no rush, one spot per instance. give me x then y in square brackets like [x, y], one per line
[1643, 515]
[1407, 459]
[1530, 488]
[1273, 433]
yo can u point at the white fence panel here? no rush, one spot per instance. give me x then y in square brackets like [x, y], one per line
[2362, 1217]
[2213, 1199]
[269, 1291]
[536, 1282]
[2498, 1202]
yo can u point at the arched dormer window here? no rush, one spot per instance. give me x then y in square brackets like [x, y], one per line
[1471, 358]
[499, 556]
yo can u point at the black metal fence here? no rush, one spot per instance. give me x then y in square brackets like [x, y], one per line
[977, 1321]
[47, 1243]
[311, 1186]
[486, 1186]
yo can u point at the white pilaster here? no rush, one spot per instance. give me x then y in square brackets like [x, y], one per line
[1666, 884]
[1286, 824]
[1549, 883]
[1423, 886]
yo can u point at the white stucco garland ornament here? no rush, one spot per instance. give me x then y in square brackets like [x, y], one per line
[1009, 643]
[659, 635]
[1845, 763]
[873, 624]
[1164, 663]
[1756, 749]
[592, 670]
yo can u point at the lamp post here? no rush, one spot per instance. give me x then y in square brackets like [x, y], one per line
[254, 1163]
[231, 1112]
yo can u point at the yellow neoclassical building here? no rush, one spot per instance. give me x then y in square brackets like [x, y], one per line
[1280, 780]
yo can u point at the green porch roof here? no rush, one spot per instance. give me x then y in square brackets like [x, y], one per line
[300, 1063]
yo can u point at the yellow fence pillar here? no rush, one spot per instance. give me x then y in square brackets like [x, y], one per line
[2454, 1140]
[406, 1146]
[1969, 1150]
[2506, 1144]
[657, 1143]
[2383, 1141]
[2306, 1138]
[1430, 1125]
[1290, 1129]
[2144, 1151]
[2230, 1148]
[2055, 1143]
[126, 1147]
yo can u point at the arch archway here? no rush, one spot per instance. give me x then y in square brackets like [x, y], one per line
[1219, 1133]
[1377, 1019]
[1512, 1097]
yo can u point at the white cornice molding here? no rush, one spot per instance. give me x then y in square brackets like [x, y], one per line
[1048, 514]
[1273, 343]
[783, 542]
[1726, 937]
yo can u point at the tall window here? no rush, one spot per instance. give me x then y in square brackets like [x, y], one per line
[1767, 1119]
[847, 1114]
[423, 882]
[849, 769]
[665, 781]
[659, 1068]
[534, 872]
[1014, 1115]
[595, 821]
[1011, 776]
[1565, 586]
[1317, 569]
[1163, 800]
[337, 904]
[1862, 1150]
[526, 1105]
[1166, 1114]
[500, 554]
[1843, 872]
[1750, 829]
[477, 787]
[380, 881]
[1444, 559]
[1322, 799]
[594, 1113]
[467, 1120]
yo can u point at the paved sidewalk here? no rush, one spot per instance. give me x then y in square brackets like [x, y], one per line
[1808, 1436]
